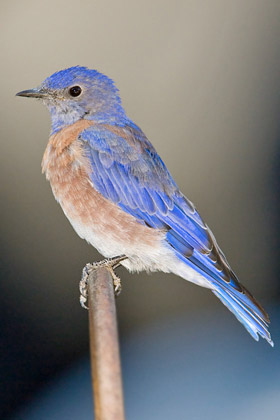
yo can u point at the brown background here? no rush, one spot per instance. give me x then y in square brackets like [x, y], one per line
[202, 81]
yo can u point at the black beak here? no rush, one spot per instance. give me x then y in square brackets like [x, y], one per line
[33, 93]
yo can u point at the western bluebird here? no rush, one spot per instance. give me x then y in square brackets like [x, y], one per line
[119, 196]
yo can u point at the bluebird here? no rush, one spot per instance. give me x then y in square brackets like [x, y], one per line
[119, 196]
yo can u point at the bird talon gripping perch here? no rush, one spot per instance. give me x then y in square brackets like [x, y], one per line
[111, 264]
[119, 196]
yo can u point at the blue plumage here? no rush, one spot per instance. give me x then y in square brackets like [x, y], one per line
[126, 170]
[133, 176]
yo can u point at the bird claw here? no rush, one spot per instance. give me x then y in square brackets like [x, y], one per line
[111, 264]
[83, 285]
[117, 283]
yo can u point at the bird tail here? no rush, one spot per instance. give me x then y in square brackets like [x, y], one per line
[247, 310]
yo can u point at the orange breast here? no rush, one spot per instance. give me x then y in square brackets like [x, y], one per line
[68, 170]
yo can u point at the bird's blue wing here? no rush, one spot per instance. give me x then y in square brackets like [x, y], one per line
[127, 170]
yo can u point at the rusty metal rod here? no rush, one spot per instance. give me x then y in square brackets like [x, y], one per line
[104, 347]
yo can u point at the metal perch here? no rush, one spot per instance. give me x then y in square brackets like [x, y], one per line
[104, 346]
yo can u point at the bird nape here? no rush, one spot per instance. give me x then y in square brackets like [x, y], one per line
[119, 196]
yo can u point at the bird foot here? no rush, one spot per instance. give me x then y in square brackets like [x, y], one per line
[111, 264]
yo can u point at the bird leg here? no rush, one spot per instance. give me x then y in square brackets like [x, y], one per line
[111, 264]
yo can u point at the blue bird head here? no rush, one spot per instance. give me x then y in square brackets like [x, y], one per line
[78, 93]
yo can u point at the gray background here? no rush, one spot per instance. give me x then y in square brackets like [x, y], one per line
[201, 79]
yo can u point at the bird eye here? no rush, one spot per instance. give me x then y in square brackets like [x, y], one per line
[75, 91]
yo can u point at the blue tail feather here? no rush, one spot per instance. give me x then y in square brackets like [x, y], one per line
[241, 303]
[252, 322]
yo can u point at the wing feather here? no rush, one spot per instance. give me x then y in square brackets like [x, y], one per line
[126, 169]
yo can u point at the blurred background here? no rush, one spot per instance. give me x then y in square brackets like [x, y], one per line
[202, 81]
